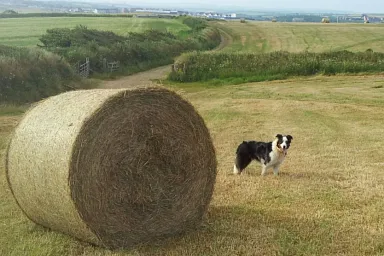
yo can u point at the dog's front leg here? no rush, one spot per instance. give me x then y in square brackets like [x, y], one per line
[263, 169]
[276, 169]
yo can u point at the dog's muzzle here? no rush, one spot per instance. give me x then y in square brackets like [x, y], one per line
[282, 150]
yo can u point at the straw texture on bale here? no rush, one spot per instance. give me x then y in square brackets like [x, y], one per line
[113, 167]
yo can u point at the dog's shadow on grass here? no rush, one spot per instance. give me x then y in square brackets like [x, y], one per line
[313, 176]
[294, 175]
[283, 175]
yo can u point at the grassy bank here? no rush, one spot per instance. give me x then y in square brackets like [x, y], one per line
[28, 75]
[246, 67]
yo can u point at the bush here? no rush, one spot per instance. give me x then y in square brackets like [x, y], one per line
[28, 75]
[133, 50]
[195, 24]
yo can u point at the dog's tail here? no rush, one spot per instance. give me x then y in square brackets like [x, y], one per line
[241, 146]
[243, 157]
[236, 169]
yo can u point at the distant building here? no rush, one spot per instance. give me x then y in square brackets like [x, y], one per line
[107, 11]
[87, 10]
[75, 10]
[133, 9]
[154, 11]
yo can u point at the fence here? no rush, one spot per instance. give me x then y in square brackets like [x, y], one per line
[84, 69]
[178, 67]
[111, 66]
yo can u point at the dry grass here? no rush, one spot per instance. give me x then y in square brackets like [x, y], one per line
[297, 37]
[328, 199]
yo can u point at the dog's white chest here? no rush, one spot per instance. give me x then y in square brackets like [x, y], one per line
[276, 158]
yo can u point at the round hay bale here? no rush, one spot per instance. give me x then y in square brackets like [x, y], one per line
[113, 167]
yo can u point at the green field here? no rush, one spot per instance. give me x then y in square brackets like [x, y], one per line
[297, 37]
[329, 196]
[26, 31]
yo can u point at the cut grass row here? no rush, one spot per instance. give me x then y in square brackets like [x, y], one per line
[261, 37]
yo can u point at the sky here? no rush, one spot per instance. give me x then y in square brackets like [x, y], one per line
[358, 6]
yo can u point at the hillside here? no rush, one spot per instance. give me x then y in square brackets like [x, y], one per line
[297, 37]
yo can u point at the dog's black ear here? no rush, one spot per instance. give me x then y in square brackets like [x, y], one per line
[279, 136]
[289, 137]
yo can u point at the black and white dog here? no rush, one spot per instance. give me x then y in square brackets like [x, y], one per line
[269, 154]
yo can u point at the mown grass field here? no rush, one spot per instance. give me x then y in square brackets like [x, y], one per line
[297, 37]
[328, 200]
[27, 31]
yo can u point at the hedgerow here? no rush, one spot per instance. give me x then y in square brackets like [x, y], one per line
[203, 66]
[28, 75]
[133, 50]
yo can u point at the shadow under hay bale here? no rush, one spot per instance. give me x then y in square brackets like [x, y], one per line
[113, 167]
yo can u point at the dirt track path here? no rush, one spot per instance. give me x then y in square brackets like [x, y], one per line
[226, 40]
[139, 79]
[150, 77]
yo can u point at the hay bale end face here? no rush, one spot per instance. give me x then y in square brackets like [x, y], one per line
[113, 167]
